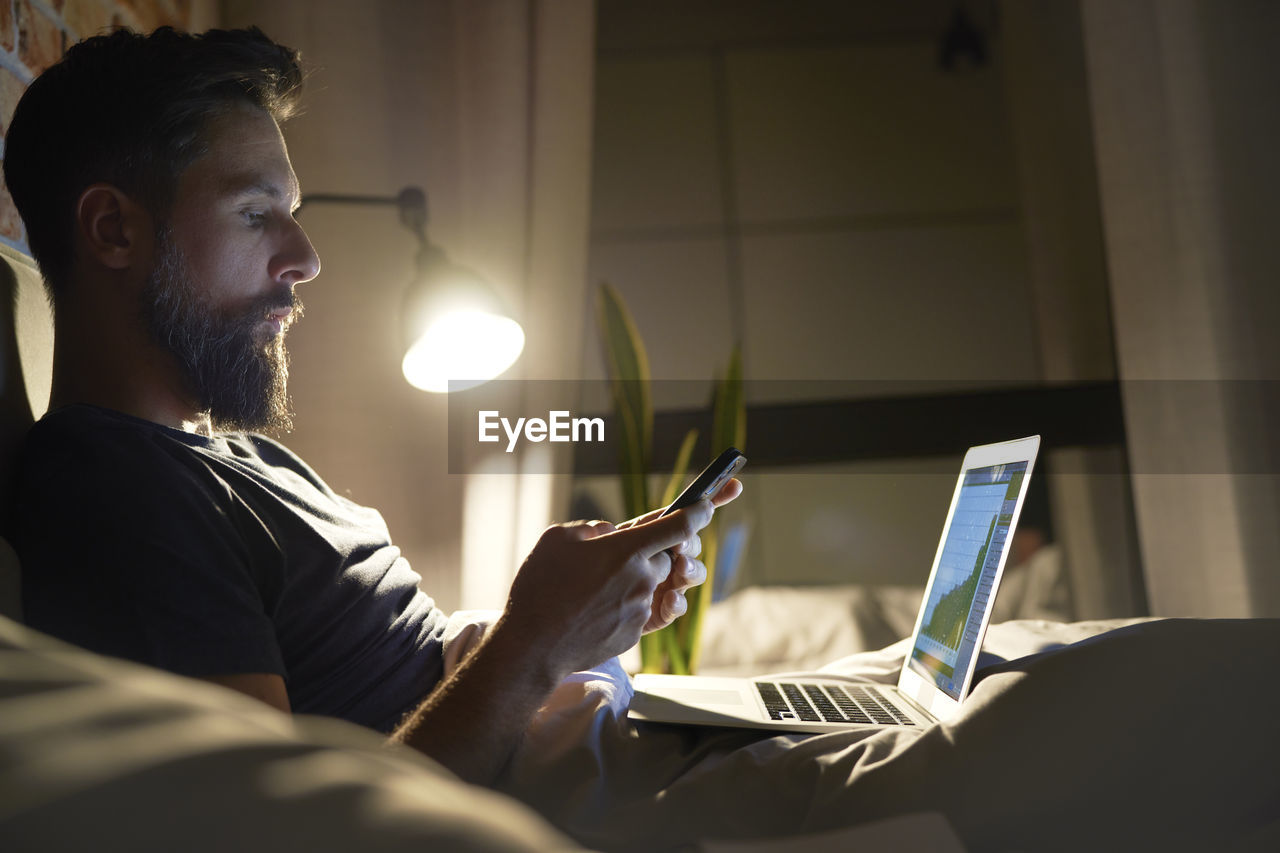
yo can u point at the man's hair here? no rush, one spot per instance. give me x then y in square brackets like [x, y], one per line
[131, 111]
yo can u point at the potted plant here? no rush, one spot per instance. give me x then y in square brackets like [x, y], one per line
[675, 648]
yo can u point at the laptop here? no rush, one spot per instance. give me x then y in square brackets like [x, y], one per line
[950, 625]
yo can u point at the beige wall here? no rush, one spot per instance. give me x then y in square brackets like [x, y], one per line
[815, 184]
[805, 177]
[486, 106]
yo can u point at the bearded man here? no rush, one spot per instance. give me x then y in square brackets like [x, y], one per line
[155, 524]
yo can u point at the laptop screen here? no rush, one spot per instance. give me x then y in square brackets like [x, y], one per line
[961, 590]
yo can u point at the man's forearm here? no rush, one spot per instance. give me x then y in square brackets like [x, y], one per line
[584, 594]
[475, 719]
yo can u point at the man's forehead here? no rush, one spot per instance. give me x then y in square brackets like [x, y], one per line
[246, 155]
[273, 184]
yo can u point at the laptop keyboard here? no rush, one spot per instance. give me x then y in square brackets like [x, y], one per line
[832, 703]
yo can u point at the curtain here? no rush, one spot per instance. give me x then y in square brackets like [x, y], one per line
[1185, 121]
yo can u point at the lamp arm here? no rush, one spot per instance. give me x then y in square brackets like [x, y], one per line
[411, 202]
[344, 198]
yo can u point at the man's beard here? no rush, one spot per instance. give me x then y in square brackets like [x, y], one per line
[234, 370]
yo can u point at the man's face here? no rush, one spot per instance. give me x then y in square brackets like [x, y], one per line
[220, 296]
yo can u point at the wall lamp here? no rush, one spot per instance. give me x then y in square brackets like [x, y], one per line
[457, 332]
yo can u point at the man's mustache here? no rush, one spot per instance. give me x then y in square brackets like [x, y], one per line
[277, 302]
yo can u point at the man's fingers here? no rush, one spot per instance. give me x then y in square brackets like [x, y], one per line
[642, 519]
[674, 604]
[662, 533]
[665, 566]
[580, 530]
[688, 573]
[730, 490]
[599, 528]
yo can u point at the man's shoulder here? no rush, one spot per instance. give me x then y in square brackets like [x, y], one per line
[274, 454]
[85, 449]
[119, 475]
[84, 418]
[266, 447]
[95, 438]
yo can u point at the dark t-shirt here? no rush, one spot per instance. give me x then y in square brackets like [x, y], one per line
[213, 556]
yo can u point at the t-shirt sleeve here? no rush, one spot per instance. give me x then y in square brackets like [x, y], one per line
[135, 549]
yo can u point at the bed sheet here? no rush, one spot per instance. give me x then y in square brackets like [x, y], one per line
[757, 629]
[1078, 735]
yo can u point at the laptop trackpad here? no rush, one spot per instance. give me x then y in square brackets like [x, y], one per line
[696, 696]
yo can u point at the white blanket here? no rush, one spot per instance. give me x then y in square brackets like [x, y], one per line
[758, 629]
[1111, 742]
[1156, 735]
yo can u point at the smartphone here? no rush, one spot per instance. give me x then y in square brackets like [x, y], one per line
[710, 480]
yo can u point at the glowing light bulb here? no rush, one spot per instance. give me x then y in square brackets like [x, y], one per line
[468, 347]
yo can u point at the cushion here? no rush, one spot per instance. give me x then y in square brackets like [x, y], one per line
[26, 372]
[99, 753]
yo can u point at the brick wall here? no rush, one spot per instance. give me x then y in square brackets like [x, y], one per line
[34, 34]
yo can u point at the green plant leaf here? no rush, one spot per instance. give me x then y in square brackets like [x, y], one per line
[628, 366]
[677, 656]
[728, 429]
[675, 648]
[729, 422]
[676, 483]
[651, 655]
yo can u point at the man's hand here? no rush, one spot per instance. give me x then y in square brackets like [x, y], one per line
[583, 595]
[669, 602]
[587, 590]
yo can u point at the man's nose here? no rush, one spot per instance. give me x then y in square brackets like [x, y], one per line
[297, 261]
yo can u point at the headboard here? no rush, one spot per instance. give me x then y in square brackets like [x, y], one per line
[26, 371]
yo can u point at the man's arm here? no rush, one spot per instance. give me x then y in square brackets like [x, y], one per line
[264, 686]
[585, 594]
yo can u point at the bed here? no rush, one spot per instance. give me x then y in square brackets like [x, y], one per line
[1102, 745]
[1079, 735]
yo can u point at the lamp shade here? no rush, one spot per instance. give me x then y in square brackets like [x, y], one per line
[456, 328]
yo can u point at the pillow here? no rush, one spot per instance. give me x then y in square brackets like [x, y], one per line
[26, 371]
[97, 753]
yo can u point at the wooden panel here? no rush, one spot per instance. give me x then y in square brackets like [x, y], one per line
[655, 163]
[946, 303]
[942, 425]
[866, 129]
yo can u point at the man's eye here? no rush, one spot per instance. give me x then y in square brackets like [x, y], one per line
[255, 218]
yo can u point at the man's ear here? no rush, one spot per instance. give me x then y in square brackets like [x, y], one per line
[115, 231]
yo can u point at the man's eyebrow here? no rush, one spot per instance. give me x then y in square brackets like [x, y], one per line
[238, 186]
